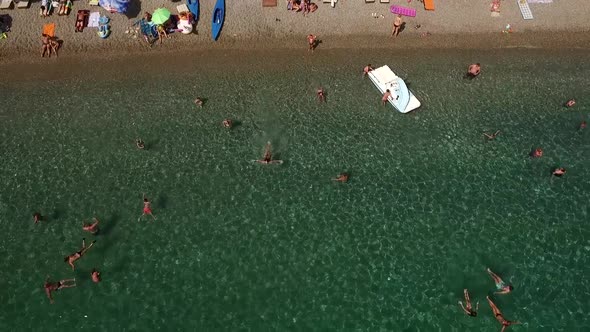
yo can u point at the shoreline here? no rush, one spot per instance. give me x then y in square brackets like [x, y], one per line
[408, 42]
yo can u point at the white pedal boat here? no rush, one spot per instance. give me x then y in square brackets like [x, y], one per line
[401, 97]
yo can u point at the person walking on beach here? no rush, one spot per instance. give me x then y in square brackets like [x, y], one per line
[312, 42]
[468, 309]
[367, 69]
[55, 286]
[92, 228]
[321, 95]
[147, 208]
[501, 286]
[397, 23]
[499, 317]
[95, 275]
[77, 255]
[385, 97]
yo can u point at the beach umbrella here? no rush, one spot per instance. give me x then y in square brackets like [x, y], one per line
[160, 16]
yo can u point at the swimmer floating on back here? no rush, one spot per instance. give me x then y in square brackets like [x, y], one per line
[491, 136]
[267, 157]
[558, 172]
[502, 287]
[570, 103]
[55, 286]
[467, 308]
[77, 255]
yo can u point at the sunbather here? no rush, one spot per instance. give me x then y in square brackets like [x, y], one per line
[80, 20]
[45, 39]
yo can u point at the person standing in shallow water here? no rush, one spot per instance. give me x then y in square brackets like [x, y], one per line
[312, 41]
[321, 95]
[147, 208]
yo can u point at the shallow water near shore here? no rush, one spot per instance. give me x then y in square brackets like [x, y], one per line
[239, 246]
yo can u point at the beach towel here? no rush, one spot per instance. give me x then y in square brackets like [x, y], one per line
[525, 10]
[540, 1]
[49, 29]
[93, 20]
[269, 3]
[411, 12]
[429, 4]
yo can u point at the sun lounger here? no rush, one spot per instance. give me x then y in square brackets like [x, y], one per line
[93, 2]
[49, 29]
[369, 1]
[182, 8]
[384, 1]
[525, 10]
[411, 12]
[429, 4]
[23, 3]
[5, 4]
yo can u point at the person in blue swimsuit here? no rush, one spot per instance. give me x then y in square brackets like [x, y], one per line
[502, 287]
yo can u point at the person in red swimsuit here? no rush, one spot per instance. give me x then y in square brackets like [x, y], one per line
[147, 208]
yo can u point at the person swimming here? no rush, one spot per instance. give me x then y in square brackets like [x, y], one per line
[199, 102]
[342, 177]
[473, 71]
[501, 286]
[536, 153]
[491, 136]
[77, 255]
[227, 123]
[558, 172]
[321, 95]
[570, 103]
[499, 317]
[267, 157]
[468, 309]
[140, 144]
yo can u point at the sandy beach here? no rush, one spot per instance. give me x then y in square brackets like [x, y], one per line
[460, 24]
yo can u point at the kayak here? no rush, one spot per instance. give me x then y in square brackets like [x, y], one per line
[218, 18]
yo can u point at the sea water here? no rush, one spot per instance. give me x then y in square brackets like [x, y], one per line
[241, 246]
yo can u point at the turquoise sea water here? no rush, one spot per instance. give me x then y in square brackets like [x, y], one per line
[239, 246]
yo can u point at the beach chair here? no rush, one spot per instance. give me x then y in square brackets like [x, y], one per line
[5, 4]
[23, 3]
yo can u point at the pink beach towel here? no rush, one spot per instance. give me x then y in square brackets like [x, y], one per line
[411, 12]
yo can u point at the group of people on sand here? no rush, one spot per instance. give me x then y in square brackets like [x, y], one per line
[64, 8]
[501, 288]
[49, 45]
[305, 6]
